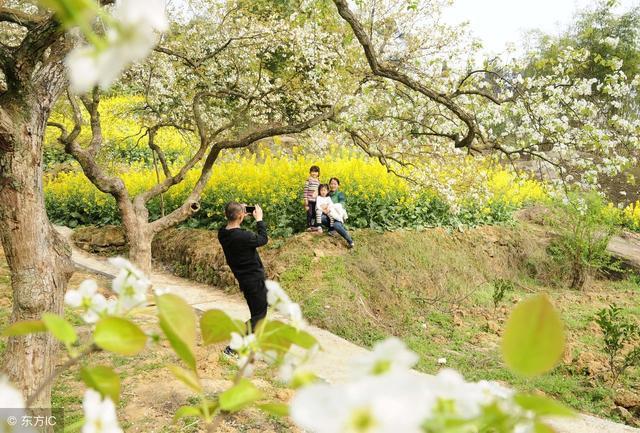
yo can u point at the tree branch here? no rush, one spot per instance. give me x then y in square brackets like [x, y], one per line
[20, 18]
[155, 148]
[86, 157]
[191, 205]
[384, 70]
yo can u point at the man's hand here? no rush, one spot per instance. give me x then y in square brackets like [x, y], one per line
[257, 214]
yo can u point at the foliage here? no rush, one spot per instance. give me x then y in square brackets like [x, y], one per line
[631, 216]
[621, 340]
[375, 199]
[125, 138]
[584, 225]
[500, 288]
[604, 33]
[534, 338]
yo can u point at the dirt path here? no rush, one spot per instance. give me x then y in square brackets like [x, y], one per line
[331, 363]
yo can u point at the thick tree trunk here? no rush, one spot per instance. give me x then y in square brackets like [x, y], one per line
[39, 259]
[138, 233]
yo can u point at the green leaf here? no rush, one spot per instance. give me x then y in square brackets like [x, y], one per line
[277, 409]
[178, 322]
[217, 326]
[187, 377]
[103, 379]
[539, 427]
[186, 411]
[542, 406]
[280, 336]
[60, 328]
[72, 12]
[119, 335]
[303, 378]
[534, 338]
[239, 396]
[24, 327]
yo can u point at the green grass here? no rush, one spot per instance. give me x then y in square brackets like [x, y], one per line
[395, 284]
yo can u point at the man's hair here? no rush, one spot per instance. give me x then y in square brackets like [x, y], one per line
[233, 210]
[336, 179]
[325, 186]
[314, 168]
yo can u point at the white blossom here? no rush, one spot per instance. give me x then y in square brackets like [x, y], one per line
[389, 403]
[88, 299]
[129, 41]
[10, 397]
[387, 356]
[278, 298]
[242, 344]
[130, 284]
[99, 414]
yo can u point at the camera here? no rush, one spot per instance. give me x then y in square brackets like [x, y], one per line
[249, 209]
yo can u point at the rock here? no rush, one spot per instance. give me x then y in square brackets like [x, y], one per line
[625, 415]
[318, 253]
[107, 239]
[627, 399]
[590, 364]
[536, 215]
[493, 326]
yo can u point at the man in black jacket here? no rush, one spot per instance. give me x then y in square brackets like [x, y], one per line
[239, 248]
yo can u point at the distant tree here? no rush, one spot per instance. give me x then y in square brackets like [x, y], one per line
[231, 73]
[425, 98]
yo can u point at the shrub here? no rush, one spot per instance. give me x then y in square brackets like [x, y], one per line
[500, 288]
[621, 340]
[584, 226]
[375, 198]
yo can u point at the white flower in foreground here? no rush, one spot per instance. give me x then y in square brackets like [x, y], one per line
[99, 414]
[242, 344]
[389, 355]
[400, 401]
[130, 41]
[278, 298]
[87, 298]
[275, 293]
[467, 397]
[391, 403]
[10, 397]
[161, 291]
[295, 363]
[143, 12]
[130, 284]
[294, 313]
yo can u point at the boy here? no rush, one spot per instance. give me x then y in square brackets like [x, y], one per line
[310, 194]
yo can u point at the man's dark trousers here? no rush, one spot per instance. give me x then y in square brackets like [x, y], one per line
[255, 292]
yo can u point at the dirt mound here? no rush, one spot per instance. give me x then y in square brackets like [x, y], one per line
[193, 253]
[107, 240]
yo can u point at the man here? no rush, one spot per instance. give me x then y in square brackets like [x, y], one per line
[239, 248]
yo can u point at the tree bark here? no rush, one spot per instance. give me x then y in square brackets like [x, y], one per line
[39, 259]
[137, 229]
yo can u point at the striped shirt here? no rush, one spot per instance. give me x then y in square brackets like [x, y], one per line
[311, 188]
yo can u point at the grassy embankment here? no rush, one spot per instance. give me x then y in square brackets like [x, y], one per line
[435, 289]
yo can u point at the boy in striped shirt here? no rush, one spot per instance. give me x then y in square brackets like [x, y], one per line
[310, 194]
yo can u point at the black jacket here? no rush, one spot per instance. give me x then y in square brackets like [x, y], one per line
[239, 248]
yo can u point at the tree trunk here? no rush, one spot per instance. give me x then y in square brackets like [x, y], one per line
[578, 276]
[138, 233]
[39, 259]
